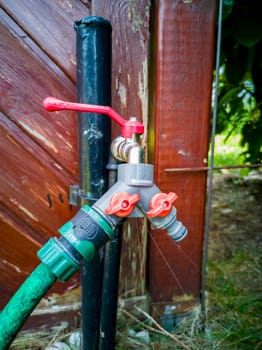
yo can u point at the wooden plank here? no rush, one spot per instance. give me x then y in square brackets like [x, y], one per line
[18, 257]
[38, 150]
[66, 318]
[29, 189]
[130, 52]
[50, 25]
[182, 71]
[13, 132]
[33, 205]
[27, 77]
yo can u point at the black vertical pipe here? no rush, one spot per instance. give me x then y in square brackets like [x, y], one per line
[110, 292]
[93, 36]
[110, 280]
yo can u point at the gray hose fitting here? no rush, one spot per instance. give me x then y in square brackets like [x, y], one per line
[175, 229]
[134, 195]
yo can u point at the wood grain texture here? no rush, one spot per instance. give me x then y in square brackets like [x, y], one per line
[38, 150]
[27, 77]
[14, 243]
[180, 114]
[29, 188]
[49, 24]
[130, 55]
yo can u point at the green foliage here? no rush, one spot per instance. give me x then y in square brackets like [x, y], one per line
[228, 151]
[240, 75]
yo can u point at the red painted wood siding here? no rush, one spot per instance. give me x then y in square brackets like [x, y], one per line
[180, 112]
[38, 150]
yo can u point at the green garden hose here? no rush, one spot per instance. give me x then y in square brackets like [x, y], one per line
[23, 303]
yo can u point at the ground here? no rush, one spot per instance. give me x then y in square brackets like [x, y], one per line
[233, 283]
[236, 221]
[234, 269]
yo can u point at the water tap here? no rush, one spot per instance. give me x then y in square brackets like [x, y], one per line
[135, 193]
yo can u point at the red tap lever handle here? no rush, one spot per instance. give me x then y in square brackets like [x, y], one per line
[128, 127]
[161, 204]
[122, 204]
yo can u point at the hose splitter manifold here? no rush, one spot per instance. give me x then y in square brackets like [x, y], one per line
[133, 195]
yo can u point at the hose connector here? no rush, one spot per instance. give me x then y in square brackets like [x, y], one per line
[86, 232]
[136, 195]
[62, 264]
[175, 229]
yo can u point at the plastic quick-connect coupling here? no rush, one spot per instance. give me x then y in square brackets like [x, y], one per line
[86, 232]
[175, 229]
[159, 209]
[61, 259]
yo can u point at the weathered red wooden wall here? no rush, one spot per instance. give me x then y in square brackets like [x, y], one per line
[162, 72]
[183, 35]
[38, 149]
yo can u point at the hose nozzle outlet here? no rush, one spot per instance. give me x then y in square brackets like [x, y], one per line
[175, 229]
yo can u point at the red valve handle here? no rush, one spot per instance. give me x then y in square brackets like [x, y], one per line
[161, 204]
[128, 127]
[122, 204]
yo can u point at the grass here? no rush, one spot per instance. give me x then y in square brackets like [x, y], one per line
[235, 304]
[233, 312]
[229, 152]
[233, 317]
[234, 298]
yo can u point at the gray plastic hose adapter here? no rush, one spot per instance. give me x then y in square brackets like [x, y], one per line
[136, 185]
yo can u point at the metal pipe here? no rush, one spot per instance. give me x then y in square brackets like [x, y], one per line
[93, 36]
[110, 278]
[210, 178]
[206, 168]
[110, 292]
